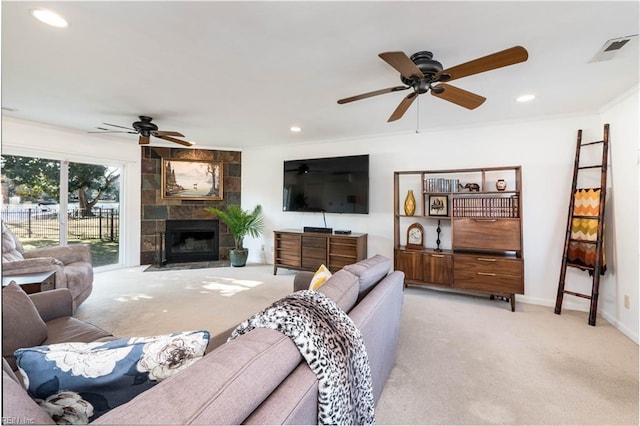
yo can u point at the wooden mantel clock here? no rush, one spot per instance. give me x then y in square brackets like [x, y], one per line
[415, 236]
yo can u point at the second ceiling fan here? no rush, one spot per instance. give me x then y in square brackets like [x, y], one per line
[422, 73]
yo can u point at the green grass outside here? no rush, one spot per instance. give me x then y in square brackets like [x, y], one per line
[102, 252]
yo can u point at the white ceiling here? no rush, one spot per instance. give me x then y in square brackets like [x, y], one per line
[239, 74]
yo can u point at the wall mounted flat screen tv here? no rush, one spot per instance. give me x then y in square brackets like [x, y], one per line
[331, 185]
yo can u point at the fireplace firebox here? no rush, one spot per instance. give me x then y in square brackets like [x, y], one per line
[191, 240]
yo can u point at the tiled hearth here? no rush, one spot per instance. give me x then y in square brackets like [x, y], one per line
[156, 210]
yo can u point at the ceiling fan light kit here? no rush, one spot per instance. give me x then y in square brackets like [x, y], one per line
[145, 128]
[423, 74]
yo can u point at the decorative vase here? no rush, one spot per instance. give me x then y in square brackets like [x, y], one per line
[409, 204]
[501, 185]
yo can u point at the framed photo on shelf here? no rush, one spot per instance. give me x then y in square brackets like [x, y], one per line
[438, 205]
[192, 179]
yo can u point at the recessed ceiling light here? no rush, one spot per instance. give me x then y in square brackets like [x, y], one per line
[49, 17]
[526, 98]
[295, 129]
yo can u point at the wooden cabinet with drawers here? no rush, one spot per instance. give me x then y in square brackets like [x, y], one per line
[306, 251]
[480, 211]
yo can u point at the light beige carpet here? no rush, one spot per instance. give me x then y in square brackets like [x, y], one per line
[461, 359]
[468, 360]
[130, 302]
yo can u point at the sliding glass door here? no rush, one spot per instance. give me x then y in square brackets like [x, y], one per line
[48, 202]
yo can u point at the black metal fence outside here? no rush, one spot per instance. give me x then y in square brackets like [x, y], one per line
[103, 224]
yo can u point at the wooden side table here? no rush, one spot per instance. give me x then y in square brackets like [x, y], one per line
[32, 283]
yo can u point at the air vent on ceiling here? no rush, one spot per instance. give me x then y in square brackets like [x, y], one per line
[612, 47]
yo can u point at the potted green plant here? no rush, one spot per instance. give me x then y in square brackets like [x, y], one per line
[240, 223]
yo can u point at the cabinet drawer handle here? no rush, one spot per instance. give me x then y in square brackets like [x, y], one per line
[487, 274]
[437, 255]
[486, 220]
[485, 259]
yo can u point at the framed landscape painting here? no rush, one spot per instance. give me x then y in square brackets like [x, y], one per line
[192, 179]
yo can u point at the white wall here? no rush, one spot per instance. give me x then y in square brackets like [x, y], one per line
[544, 148]
[622, 216]
[20, 137]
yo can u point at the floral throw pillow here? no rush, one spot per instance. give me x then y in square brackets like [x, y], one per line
[78, 382]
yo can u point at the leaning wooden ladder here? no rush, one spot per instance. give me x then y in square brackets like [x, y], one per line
[579, 249]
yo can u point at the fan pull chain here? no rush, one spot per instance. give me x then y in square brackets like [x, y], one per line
[418, 116]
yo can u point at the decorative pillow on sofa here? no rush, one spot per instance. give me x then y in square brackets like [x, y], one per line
[103, 374]
[319, 278]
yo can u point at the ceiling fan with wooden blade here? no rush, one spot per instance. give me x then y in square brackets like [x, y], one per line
[423, 74]
[145, 128]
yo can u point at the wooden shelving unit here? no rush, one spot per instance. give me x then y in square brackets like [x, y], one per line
[484, 249]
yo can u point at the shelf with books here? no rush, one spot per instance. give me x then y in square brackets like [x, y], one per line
[471, 225]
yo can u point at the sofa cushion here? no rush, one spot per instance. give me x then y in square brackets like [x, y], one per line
[342, 288]
[107, 374]
[319, 278]
[71, 329]
[22, 326]
[369, 272]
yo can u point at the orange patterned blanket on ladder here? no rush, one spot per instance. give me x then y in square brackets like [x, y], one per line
[587, 203]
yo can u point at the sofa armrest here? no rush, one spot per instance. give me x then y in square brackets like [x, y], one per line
[28, 266]
[67, 254]
[302, 280]
[53, 304]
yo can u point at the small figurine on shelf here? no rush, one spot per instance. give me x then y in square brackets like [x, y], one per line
[501, 185]
[472, 187]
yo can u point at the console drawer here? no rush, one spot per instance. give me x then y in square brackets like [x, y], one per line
[488, 273]
[314, 251]
[486, 234]
[287, 249]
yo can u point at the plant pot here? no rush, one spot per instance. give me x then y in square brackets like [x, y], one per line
[238, 257]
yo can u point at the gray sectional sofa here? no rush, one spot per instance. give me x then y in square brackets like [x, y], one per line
[258, 378]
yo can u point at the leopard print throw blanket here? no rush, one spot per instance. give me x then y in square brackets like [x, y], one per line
[332, 346]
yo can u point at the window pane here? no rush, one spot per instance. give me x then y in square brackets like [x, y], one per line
[30, 193]
[94, 206]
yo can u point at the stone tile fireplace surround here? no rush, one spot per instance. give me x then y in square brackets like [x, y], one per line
[155, 210]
